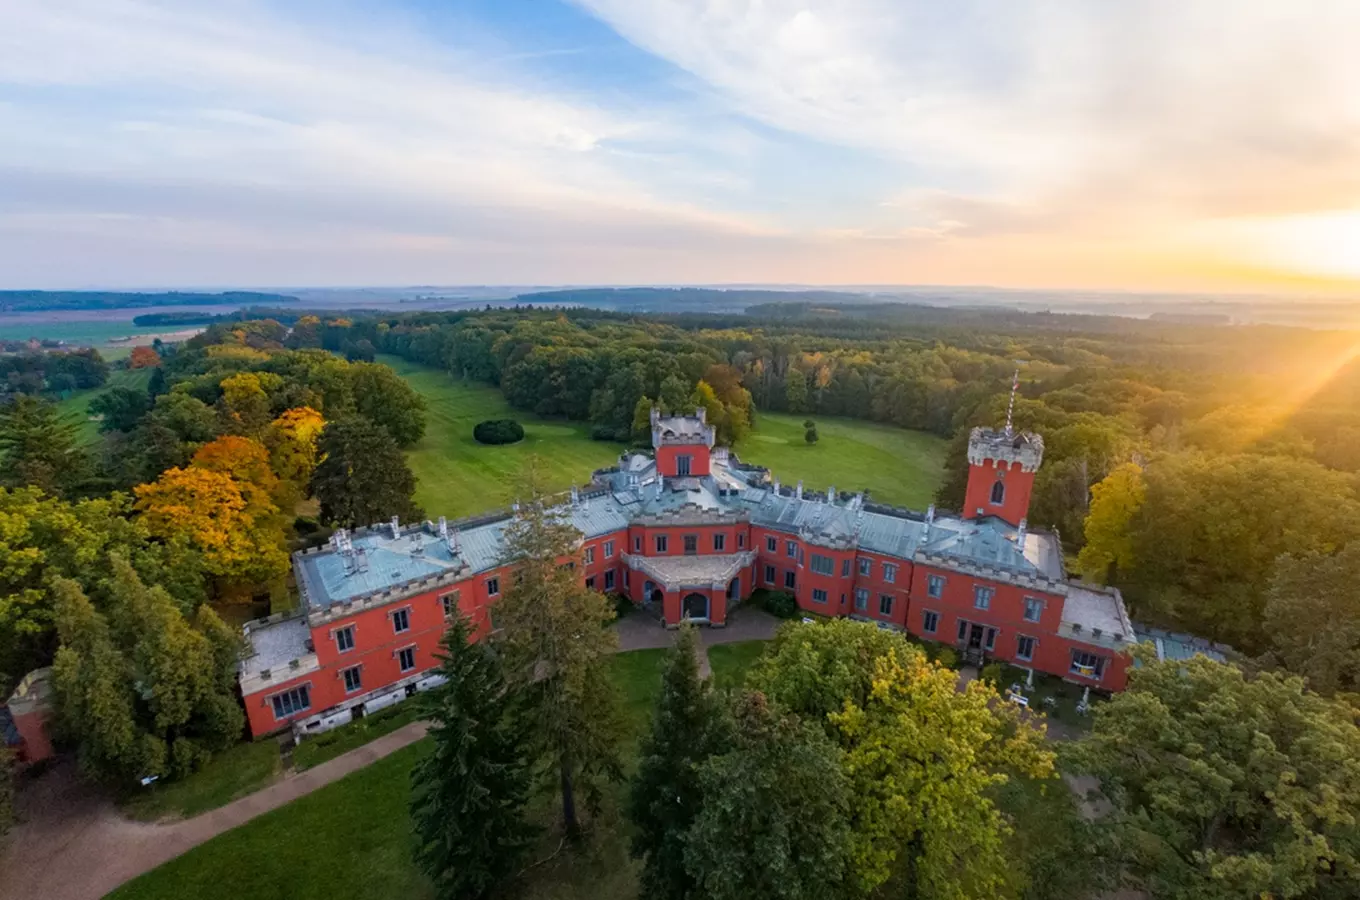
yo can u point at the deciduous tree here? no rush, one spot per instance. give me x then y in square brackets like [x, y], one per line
[558, 648]
[1226, 785]
[1312, 616]
[1109, 545]
[774, 822]
[469, 793]
[120, 408]
[383, 398]
[143, 358]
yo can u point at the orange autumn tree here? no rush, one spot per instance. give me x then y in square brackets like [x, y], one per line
[247, 461]
[144, 358]
[240, 541]
[292, 445]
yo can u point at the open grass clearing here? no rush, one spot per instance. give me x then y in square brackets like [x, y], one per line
[731, 662]
[235, 772]
[75, 407]
[456, 476]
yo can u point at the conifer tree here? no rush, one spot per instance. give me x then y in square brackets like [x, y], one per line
[690, 725]
[558, 647]
[469, 793]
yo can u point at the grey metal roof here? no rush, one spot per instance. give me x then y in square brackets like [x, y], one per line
[275, 644]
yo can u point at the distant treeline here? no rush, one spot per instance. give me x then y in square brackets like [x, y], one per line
[40, 301]
[153, 320]
[652, 299]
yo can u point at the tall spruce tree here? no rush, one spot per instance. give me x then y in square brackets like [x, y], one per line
[558, 648]
[690, 725]
[38, 448]
[468, 794]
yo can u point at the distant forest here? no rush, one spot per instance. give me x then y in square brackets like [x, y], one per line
[652, 299]
[42, 301]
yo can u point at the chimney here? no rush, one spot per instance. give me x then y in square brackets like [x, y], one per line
[1020, 534]
[443, 528]
[514, 507]
[575, 495]
[831, 494]
[396, 528]
[930, 520]
[798, 491]
[702, 413]
[776, 487]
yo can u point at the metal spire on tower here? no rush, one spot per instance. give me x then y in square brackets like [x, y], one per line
[1010, 407]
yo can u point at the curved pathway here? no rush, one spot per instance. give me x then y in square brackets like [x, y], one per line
[75, 845]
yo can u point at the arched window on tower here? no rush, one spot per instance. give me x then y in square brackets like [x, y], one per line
[999, 492]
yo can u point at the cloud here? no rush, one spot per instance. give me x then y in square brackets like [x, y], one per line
[1147, 107]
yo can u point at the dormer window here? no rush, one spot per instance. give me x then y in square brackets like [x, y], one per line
[999, 492]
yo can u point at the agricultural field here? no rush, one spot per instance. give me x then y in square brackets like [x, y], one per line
[456, 476]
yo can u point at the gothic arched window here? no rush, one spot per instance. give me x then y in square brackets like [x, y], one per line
[999, 492]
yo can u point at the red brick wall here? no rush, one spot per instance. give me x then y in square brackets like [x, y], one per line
[698, 453]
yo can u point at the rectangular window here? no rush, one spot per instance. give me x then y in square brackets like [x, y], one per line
[609, 580]
[719, 542]
[1087, 665]
[963, 630]
[637, 545]
[818, 595]
[889, 573]
[1024, 647]
[590, 556]
[866, 567]
[769, 574]
[991, 638]
[771, 545]
[590, 583]
[401, 621]
[935, 586]
[354, 680]
[661, 543]
[823, 565]
[982, 597]
[682, 464]
[493, 587]
[741, 540]
[930, 622]
[344, 639]
[691, 544]
[790, 579]
[1034, 608]
[291, 702]
[450, 603]
[845, 567]
[608, 549]
[861, 599]
[885, 603]
[791, 549]
[406, 658]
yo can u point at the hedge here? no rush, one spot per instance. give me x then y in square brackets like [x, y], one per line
[498, 431]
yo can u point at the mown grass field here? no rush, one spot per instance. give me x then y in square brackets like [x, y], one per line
[457, 476]
[896, 466]
[74, 407]
[352, 839]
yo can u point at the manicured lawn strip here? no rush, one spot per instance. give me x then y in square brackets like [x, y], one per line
[897, 466]
[233, 773]
[731, 662]
[313, 751]
[351, 839]
[75, 407]
[456, 476]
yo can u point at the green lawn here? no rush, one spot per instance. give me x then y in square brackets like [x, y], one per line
[351, 839]
[897, 466]
[233, 773]
[456, 476]
[731, 662]
[74, 407]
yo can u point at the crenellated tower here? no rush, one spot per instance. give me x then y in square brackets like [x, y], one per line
[683, 444]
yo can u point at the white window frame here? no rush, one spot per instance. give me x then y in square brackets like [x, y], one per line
[983, 596]
[791, 549]
[404, 615]
[866, 567]
[771, 576]
[862, 599]
[935, 586]
[822, 565]
[493, 586]
[358, 676]
[590, 556]
[1038, 609]
[890, 573]
[347, 630]
[608, 549]
[1020, 640]
[930, 621]
[888, 599]
[609, 580]
[411, 650]
[449, 601]
[719, 543]
[771, 544]
[305, 687]
[662, 543]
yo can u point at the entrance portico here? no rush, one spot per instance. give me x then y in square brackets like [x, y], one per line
[697, 589]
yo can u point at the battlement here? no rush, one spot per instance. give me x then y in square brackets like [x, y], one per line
[990, 445]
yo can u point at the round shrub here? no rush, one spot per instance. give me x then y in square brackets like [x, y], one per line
[498, 431]
[776, 603]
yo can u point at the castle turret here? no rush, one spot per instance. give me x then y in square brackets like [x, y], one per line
[1001, 469]
[683, 444]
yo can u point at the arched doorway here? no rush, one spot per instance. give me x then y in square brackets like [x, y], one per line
[694, 606]
[734, 589]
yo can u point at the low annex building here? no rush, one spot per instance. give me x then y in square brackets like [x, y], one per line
[688, 532]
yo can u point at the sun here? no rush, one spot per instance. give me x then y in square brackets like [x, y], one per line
[1325, 243]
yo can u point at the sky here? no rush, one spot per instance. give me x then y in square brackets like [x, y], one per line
[1198, 145]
